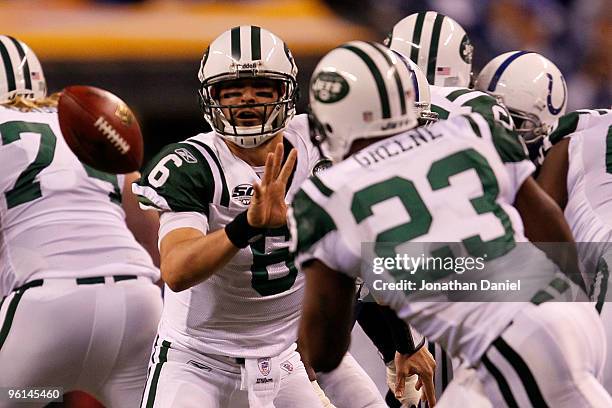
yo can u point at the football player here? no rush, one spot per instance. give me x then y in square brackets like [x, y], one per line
[83, 308]
[228, 332]
[577, 173]
[443, 51]
[455, 181]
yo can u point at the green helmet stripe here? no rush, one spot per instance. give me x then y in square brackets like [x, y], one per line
[8, 67]
[255, 43]
[236, 43]
[380, 83]
[433, 49]
[416, 38]
[26, 66]
[396, 76]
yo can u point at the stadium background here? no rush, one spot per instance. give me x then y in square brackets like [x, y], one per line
[148, 51]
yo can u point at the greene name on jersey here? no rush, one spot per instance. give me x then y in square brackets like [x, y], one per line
[251, 306]
[453, 182]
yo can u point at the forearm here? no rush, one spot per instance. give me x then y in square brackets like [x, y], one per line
[545, 227]
[195, 259]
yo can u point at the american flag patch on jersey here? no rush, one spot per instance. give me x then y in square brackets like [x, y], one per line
[443, 70]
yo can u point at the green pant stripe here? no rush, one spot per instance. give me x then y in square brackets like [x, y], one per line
[163, 357]
[10, 315]
[432, 60]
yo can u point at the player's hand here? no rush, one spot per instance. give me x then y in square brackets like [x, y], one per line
[421, 363]
[268, 207]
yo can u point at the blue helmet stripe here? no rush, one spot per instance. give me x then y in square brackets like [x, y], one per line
[502, 68]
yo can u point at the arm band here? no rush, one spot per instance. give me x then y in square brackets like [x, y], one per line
[240, 233]
[406, 342]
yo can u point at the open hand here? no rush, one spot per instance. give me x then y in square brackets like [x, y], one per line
[268, 208]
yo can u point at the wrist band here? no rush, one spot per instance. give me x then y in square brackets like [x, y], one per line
[240, 233]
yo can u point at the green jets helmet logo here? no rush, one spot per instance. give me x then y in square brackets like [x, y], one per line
[329, 87]
[466, 50]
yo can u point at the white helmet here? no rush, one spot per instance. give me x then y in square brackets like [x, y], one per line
[439, 46]
[532, 88]
[359, 90]
[248, 52]
[422, 94]
[22, 73]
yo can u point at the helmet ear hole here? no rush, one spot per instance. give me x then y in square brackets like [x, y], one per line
[328, 128]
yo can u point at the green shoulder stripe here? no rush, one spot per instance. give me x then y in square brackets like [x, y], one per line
[456, 94]
[506, 141]
[182, 176]
[224, 189]
[567, 125]
[443, 114]
[312, 221]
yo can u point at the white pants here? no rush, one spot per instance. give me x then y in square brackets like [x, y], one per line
[348, 386]
[182, 378]
[90, 337]
[552, 355]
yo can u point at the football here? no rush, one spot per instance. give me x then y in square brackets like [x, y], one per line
[100, 129]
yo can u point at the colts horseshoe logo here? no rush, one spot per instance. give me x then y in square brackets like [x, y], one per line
[551, 108]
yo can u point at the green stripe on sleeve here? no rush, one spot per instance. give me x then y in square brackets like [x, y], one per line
[312, 221]
[225, 190]
[323, 189]
[566, 126]
[443, 114]
[456, 94]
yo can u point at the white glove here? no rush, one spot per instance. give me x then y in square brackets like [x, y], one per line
[411, 396]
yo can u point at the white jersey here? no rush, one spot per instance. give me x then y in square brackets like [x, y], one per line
[569, 124]
[452, 182]
[251, 306]
[589, 189]
[58, 217]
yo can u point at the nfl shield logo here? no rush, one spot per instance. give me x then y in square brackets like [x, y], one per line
[264, 366]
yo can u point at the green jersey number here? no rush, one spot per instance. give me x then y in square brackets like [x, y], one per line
[26, 187]
[438, 176]
[261, 281]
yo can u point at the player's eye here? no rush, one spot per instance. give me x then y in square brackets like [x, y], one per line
[265, 94]
[231, 94]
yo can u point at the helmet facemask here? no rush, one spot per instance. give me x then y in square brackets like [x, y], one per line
[528, 126]
[268, 118]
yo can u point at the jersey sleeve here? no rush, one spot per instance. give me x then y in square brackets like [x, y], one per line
[509, 146]
[314, 234]
[177, 179]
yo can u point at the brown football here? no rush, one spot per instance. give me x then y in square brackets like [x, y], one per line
[100, 129]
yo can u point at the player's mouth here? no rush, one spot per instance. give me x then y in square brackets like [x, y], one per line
[248, 117]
